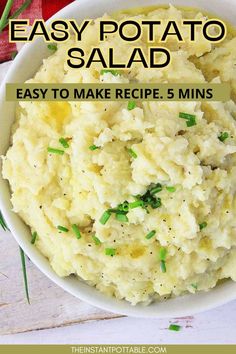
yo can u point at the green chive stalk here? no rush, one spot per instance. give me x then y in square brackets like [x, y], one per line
[23, 265]
[4, 21]
[6, 11]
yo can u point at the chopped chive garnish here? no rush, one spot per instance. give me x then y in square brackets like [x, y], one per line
[162, 256]
[170, 189]
[62, 228]
[117, 211]
[105, 217]
[174, 327]
[163, 253]
[151, 200]
[64, 143]
[110, 251]
[138, 203]
[190, 118]
[132, 153]
[156, 203]
[76, 231]
[22, 255]
[55, 151]
[150, 234]
[186, 115]
[223, 136]
[96, 240]
[124, 206]
[203, 225]
[194, 286]
[163, 266]
[3, 223]
[33, 238]
[156, 189]
[131, 105]
[114, 210]
[52, 47]
[113, 72]
[120, 211]
[191, 123]
[122, 217]
[93, 147]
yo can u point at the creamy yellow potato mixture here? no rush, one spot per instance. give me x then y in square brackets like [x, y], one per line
[132, 201]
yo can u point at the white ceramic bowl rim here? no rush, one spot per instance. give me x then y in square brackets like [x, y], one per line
[25, 65]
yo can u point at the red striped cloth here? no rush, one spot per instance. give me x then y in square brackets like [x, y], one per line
[38, 9]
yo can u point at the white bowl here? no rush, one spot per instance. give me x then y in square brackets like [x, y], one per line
[25, 65]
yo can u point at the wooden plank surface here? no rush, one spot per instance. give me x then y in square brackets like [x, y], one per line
[50, 305]
[211, 327]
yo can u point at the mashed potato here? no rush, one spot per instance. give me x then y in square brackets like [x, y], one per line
[139, 205]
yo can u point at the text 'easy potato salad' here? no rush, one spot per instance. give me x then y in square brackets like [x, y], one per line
[135, 198]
